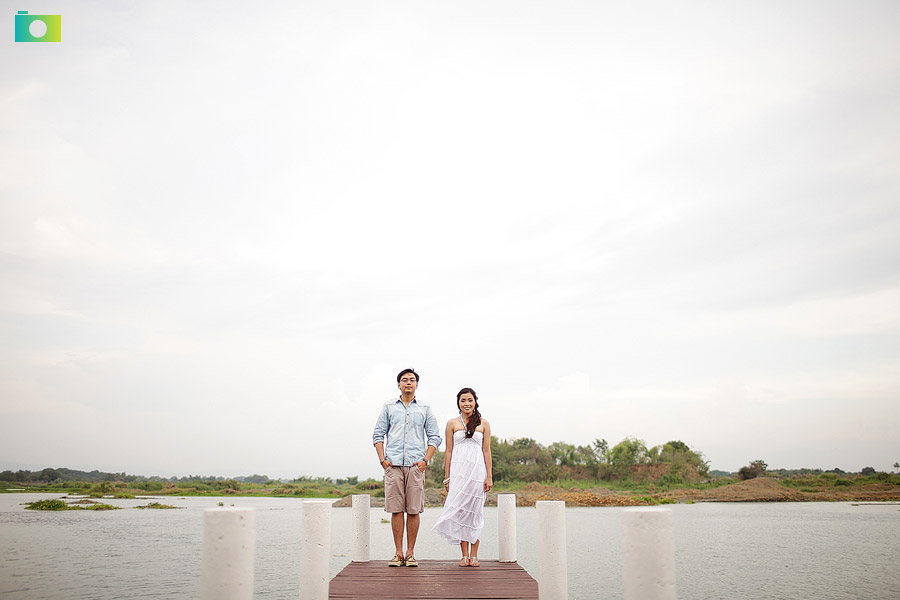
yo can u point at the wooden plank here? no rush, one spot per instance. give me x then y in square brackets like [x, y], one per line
[441, 580]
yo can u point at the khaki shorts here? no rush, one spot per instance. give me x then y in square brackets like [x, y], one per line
[404, 490]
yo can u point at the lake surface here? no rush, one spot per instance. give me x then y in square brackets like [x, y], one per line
[729, 551]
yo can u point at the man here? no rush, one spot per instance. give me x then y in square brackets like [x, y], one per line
[404, 427]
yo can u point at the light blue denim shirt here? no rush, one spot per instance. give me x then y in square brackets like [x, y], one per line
[406, 431]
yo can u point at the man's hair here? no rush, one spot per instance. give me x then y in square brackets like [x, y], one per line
[405, 371]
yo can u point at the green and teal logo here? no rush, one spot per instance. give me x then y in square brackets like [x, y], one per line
[38, 28]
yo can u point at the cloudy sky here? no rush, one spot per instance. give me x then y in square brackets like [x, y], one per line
[225, 227]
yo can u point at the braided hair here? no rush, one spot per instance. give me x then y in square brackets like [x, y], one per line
[475, 420]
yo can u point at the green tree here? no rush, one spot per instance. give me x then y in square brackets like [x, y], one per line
[601, 447]
[563, 454]
[434, 474]
[601, 451]
[627, 453]
[49, 475]
[522, 459]
[587, 458]
[678, 453]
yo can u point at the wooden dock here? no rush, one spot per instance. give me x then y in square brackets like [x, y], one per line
[439, 579]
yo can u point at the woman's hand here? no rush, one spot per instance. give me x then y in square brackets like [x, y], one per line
[488, 484]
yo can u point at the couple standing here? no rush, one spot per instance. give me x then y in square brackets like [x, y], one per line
[406, 437]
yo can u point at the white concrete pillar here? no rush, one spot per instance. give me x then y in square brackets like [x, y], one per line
[506, 526]
[649, 554]
[315, 549]
[229, 541]
[360, 524]
[553, 583]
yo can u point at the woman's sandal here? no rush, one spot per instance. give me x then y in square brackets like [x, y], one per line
[464, 562]
[473, 562]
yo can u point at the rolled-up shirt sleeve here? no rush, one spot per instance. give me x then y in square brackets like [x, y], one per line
[432, 431]
[381, 427]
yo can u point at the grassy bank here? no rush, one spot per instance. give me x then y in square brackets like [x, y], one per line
[320, 489]
[326, 488]
[120, 489]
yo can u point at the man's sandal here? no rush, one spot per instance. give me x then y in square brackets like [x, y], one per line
[397, 561]
[411, 561]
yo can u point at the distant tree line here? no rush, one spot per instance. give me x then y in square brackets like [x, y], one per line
[524, 459]
[514, 459]
[759, 468]
[63, 475]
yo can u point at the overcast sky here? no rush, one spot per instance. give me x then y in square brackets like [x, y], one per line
[225, 227]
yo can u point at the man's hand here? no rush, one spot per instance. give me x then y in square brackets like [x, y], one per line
[421, 464]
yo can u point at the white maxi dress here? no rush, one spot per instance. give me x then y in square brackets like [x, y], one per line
[463, 516]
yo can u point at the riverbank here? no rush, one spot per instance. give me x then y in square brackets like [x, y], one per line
[761, 489]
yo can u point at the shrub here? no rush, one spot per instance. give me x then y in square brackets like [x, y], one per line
[51, 504]
[757, 468]
[60, 505]
[675, 476]
[99, 489]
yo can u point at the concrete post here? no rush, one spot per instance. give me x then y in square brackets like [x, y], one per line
[228, 545]
[649, 554]
[315, 549]
[506, 526]
[553, 581]
[360, 523]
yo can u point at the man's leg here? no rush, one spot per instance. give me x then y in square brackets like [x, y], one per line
[397, 528]
[412, 531]
[394, 502]
[415, 504]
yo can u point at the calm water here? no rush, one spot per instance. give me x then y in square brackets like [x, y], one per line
[728, 551]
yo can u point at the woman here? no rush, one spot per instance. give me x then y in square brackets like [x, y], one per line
[467, 472]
